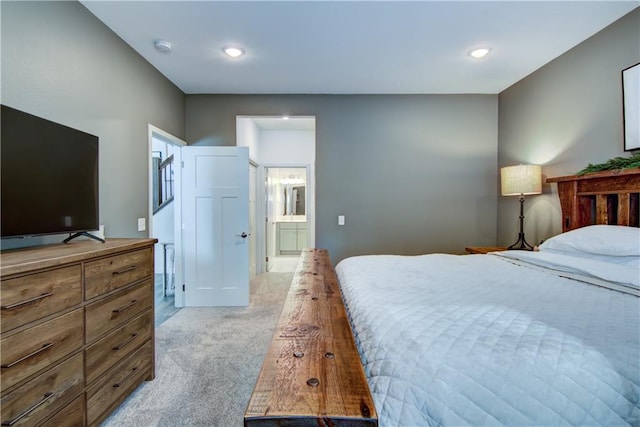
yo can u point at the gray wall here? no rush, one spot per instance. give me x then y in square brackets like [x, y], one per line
[412, 173]
[61, 63]
[564, 116]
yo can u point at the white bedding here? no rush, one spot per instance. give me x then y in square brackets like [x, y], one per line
[450, 340]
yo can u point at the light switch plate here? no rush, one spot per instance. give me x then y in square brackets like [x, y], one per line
[142, 224]
[340, 219]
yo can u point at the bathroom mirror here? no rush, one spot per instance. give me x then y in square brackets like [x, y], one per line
[294, 199]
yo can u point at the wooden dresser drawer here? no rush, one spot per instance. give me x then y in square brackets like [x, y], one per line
[114, 272]
[114, 387]
[28, 351]
[111, 312]
[71, 416]
[34, 296]
[114, 347]
[46, 394]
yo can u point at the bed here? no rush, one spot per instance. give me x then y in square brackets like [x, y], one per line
[549, 338]
[513, 338]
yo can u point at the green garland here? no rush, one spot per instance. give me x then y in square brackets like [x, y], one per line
[613, 164]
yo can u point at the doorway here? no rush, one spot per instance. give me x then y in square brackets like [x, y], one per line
[286, 217]
[164, 151]
[278, 144]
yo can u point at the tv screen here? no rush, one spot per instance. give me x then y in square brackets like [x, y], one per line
[49, 176]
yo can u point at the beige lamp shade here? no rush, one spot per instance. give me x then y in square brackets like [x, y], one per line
[521, 180]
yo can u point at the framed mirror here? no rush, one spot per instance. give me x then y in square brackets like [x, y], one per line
[294, 199]
[631, 107]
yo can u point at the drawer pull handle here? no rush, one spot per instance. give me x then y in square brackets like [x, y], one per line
[122, 345]
[27, 411]
[121, 309]
[28, 356]
[124, 270]
[28, 301]
[124, 380]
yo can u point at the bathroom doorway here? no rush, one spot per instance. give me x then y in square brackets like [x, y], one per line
[286, 223]
[278, 144]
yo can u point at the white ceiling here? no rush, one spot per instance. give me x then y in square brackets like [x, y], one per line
[354, 47]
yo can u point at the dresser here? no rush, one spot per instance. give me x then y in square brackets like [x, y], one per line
[76, 331]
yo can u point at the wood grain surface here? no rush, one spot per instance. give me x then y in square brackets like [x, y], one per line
[610, 197]
[312, 373]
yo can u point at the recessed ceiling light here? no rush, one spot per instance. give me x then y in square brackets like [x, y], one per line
[233, 51]
[480, 53]
[162, 46]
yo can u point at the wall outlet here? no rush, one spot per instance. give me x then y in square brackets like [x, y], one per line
[142, 224]
[340, 219]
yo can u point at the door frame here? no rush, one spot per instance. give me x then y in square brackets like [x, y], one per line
[261, 208]
[253, 221]
[155, 132]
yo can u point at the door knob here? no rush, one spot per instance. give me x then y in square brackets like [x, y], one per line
[243, 235]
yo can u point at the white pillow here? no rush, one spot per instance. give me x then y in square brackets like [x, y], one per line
[613, 240]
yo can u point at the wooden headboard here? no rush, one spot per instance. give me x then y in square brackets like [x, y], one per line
[610, 197]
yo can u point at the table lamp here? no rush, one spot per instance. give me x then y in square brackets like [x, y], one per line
[520, 181]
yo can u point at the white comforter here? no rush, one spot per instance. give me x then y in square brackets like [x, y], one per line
[477, 340]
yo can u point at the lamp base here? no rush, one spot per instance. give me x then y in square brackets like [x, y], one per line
[521, 244]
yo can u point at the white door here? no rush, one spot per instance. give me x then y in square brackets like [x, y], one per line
[215, 225]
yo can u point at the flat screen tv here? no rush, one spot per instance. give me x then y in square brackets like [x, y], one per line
[49, 177]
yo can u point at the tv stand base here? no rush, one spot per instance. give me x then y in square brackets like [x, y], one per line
[83, 233]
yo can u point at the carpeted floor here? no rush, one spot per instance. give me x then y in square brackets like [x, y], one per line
[207, 362]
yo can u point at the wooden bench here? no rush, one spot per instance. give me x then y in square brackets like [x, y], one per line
[312, 374]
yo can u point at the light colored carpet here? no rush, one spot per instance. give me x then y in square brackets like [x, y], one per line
[283, 264]
[207, 362]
